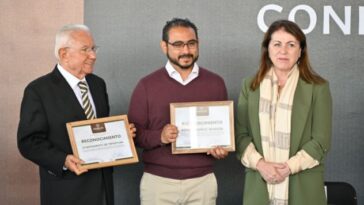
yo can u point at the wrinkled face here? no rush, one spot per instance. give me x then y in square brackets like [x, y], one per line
[284, 50]
[182, 48]
[79, 58]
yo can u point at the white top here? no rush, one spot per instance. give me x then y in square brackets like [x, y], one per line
[176, 76]
[73, 81]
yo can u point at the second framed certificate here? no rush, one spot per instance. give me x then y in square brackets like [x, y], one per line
[102, 142]
[202, 126]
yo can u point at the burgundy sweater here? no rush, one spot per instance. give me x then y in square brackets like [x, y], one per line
[149, 111]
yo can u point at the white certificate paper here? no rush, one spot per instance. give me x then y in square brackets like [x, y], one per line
[105, 146]
[202, 126]
[202, 131]
[102, 142]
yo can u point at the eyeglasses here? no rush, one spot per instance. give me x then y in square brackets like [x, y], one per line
[87, 50]
[192, 44]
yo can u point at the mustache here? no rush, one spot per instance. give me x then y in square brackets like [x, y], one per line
[185, 56]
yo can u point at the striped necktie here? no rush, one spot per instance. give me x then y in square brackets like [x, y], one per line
[89, 112]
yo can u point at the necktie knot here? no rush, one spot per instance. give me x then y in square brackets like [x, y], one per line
[83, 86]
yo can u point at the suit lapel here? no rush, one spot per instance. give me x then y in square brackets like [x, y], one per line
[66, 94]
[301, 106]
[96, 95]
[254, 118]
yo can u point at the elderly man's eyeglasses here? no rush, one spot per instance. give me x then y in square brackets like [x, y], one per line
[87, 50]
[192, 44]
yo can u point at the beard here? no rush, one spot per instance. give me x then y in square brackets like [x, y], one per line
[184, 67]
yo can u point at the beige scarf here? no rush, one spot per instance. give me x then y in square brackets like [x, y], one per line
[275, 126]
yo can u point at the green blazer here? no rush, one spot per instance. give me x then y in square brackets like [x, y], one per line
[310, 131]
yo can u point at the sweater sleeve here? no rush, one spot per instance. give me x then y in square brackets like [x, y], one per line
[224, 93]
[251, 157]
[301, 161]
[139, 115]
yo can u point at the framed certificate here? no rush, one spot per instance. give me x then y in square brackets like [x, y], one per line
[102, 142]
[202, 126]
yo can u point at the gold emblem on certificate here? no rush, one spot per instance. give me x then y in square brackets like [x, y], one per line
[202, 126]
[102, 142]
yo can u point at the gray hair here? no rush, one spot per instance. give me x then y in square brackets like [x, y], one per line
[63, 36]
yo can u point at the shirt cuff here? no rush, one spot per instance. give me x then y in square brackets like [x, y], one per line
[301, 161]
[251, 157]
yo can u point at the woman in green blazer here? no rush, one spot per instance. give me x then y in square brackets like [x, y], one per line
[283, 125]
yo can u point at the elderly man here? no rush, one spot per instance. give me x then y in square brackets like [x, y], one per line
[69, 93]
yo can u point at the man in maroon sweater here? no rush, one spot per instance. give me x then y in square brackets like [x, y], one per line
[185, 178]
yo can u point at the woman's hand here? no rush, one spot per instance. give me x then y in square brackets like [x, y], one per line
[285, 171]
[269, 171]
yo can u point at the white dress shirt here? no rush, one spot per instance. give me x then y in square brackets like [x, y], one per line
[176, 76]
[73, 82]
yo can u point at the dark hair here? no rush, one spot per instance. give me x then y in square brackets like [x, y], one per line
[304, 67]
[177, 22]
